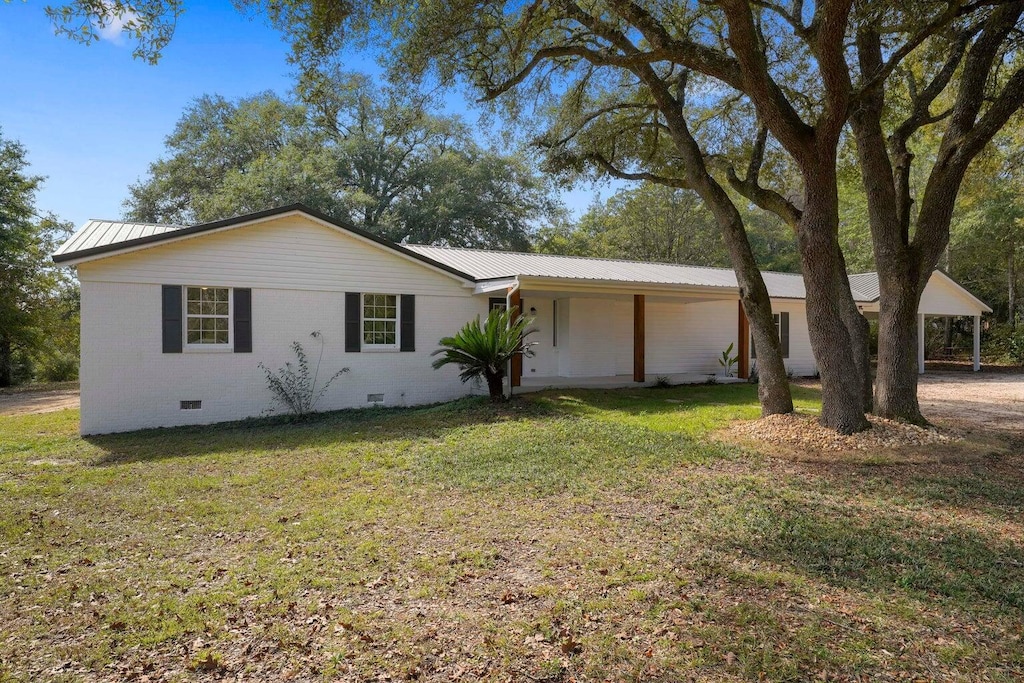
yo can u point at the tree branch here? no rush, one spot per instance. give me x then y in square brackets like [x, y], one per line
[750, 187]
[773, 107]
[881, 73]
[609, 168]
[686, 53]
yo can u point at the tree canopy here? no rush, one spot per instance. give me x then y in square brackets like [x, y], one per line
[356, 152]
[652, 222]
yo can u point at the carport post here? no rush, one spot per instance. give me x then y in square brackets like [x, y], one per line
[977, 343]
[920, 343]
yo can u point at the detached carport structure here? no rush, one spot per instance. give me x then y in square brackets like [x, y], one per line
[942, 297]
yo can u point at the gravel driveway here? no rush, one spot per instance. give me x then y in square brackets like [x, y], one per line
[994, 401]
[26, 402]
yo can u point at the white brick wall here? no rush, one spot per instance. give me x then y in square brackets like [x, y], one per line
[128, 383]
[298, 272]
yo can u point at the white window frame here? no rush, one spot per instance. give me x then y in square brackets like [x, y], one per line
[367, 346]
[185, 315]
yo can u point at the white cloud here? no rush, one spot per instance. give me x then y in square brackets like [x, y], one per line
[113, 27]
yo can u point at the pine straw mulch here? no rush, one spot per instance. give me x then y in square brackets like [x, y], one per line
[801, 432]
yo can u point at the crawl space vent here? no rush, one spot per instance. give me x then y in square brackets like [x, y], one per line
[191, 405]
[375, 398]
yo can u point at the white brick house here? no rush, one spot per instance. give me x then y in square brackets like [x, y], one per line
[176, 319]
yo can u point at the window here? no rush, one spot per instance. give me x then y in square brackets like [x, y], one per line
[380, 320]
[781, 329]
[207, 316]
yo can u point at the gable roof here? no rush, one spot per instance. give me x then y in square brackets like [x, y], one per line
[99, 233]
[98, 238]
[866, 284]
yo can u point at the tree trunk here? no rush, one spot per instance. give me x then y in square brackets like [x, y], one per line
[772, 381]
[896, 388]
[773, 387]
[495, 387]
[860, 332]
[838, 340]
[6, 364]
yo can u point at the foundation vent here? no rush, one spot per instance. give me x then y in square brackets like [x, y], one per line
[191, 405]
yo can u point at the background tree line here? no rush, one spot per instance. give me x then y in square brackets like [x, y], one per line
[38, 302]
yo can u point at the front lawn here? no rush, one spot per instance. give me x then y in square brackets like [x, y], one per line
[574, 535]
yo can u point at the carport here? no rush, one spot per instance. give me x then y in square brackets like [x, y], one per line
[943, 297]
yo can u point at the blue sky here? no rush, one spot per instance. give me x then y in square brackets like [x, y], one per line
[93, 118]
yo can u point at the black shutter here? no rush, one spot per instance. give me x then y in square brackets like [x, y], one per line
[353, 318]
[243, 320]
[408, 323]
[784, 334]
[171, 295]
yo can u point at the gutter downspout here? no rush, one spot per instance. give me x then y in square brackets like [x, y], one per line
[508, 307]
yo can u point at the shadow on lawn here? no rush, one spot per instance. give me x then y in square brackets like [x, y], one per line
[385, 425]
[377, 425]
[883, 552]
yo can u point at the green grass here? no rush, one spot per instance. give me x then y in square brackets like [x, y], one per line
[584, 535]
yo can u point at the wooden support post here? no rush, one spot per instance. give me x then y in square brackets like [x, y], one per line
[639, 374]
[516, 372]
[743, 345]
[977, 343]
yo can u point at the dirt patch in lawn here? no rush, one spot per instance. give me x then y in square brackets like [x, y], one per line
[969, 401]
[26, 402]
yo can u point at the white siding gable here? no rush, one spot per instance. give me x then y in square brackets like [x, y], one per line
[942, 296]
[292, 252]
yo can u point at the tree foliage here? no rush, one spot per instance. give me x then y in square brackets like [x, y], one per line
[38, 303]
[355, 152]
[652, 222]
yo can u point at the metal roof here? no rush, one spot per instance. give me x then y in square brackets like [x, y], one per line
[866, 284]
[98, 233]
[100, 236]
[486, 265]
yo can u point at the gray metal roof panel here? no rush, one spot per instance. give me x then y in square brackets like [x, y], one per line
[866, 284]
[100, 233]
[485, 265]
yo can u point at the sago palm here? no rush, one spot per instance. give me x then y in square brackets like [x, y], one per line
[485, 349]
